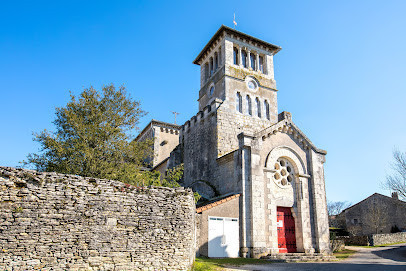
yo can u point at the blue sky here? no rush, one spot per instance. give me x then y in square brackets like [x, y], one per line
[340, 72]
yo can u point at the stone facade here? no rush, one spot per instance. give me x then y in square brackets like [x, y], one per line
[375, 214]
[51, 221]
[233, 146]
[238, 144]
[165, 138]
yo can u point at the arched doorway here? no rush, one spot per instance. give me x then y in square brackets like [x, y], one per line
[286, 230]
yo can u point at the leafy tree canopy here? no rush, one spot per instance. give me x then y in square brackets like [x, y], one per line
[93, 137]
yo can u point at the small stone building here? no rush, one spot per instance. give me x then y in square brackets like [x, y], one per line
[238, 144]
[165, 138]
[375, 214]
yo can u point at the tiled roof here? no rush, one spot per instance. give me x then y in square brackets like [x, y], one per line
[210, 205]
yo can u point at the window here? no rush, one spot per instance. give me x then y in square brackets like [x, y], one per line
[239, 102]
[252, 84]
[261, 64]
[206, 71]
[211, 90]
[253, 61]
[249, 107]
[211, 66]
[216, 61]
[258, 107]
[244, 58]
[267, 110]
[235, 50]
[219, 56]
[284, 172]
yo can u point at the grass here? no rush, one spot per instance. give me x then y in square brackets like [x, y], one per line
[210, 264]
[343, 254]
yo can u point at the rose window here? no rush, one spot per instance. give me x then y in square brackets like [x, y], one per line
[284, 173]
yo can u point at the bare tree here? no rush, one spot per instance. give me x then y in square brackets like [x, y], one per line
[376, 216]
[336, 207]
[396, 182]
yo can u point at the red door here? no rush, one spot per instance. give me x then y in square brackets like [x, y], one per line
[286, 230]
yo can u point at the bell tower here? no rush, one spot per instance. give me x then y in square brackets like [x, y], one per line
[238, 69]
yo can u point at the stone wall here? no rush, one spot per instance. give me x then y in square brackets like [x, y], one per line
[53, 221]
[354, 240]
[337, 245]
[390, 238]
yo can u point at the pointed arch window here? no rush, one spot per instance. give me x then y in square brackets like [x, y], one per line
[258, 107]
[249, 106]
[238, 104]
[267, 114]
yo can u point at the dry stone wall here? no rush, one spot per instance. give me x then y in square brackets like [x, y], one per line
[53, 221]
[389, 238]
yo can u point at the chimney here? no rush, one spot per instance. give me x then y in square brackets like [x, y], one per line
[395, 195]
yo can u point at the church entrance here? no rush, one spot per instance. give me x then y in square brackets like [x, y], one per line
[286, 230]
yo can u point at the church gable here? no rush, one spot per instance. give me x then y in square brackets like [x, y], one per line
[287, 126]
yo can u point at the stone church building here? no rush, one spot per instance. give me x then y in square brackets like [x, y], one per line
[262, 179]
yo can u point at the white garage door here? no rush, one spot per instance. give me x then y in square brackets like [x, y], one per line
[223, 237]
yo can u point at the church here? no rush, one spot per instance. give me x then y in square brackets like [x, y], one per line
[260, 177]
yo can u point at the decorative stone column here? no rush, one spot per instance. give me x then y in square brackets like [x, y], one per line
[248, 59]
[239, 57]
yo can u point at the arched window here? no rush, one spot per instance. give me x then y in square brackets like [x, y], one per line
[206, 71]
[249, 107]
[268, 116]
[253, 61]
[211, 66]
[258, 107]
[235, 50]
[216, 61]
[244, 58]
[261, 64]
[211, 90]
[238, 101]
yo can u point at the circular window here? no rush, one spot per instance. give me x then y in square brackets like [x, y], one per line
[211, 90]
[284, 173]
[251, 83]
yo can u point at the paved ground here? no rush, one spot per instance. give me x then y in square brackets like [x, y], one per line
[388, 258]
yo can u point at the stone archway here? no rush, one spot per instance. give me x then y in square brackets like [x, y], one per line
[283, 168]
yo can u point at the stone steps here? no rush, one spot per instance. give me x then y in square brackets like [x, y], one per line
[299, 257]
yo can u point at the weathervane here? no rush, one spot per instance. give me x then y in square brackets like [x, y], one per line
[234, 22]
[175, 113]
